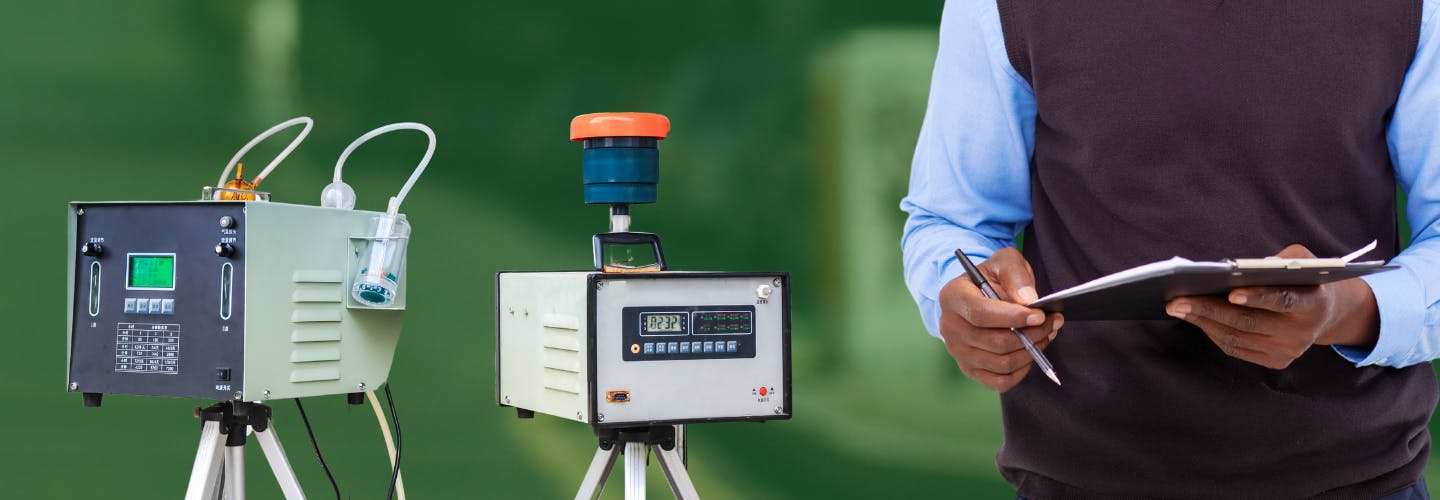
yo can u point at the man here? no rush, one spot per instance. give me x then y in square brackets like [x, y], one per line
[1114, 133]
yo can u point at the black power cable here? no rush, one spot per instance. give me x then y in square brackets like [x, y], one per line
[395, 419]
[316, 444]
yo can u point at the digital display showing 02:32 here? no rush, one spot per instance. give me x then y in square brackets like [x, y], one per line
[663, 323]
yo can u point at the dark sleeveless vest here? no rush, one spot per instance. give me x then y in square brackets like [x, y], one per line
[1208, 129]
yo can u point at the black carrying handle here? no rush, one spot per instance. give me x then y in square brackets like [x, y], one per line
[627, 238]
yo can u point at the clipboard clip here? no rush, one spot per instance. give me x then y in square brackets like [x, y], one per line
[1285, 263]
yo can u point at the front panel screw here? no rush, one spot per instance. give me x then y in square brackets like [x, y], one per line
[600, 417]
[74, 386]
[362, 387]
[238, 395]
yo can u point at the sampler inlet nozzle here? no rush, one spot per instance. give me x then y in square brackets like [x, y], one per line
[621, 167]
[621, 162]
[238, 188]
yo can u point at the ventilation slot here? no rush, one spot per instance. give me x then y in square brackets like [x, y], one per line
[318, 297]
[561, 356]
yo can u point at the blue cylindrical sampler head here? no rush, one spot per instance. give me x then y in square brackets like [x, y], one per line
[621, 162]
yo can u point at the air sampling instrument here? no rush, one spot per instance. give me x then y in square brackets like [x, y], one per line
[630, 347]
[238, 299]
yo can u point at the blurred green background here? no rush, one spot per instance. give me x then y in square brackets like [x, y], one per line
[793, 124]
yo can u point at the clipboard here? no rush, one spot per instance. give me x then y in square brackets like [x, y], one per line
[1140, 293]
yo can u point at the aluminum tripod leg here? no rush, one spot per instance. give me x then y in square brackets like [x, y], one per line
[600, 466]
[635, 455]
[219, 470]
[670, 462]
[675, 473]
[205, 475]
[235, 472]
[604, 462]
[279, 465]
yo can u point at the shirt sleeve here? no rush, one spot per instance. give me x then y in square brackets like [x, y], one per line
[970, 178]
[1409, 298]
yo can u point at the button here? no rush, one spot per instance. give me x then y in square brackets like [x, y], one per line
[764, 391]
[649, 348]
[130, 306]
[227, 222]
[694, 347]
[674, 348]
[684, 348]
[222, 374]
[732, 346]
[709, 347]
[167, 306]
[154, 306]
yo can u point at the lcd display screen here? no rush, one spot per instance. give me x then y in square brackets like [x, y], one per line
[152, 271]
[660, 323]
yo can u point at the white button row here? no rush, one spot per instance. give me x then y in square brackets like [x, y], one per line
[150, 306]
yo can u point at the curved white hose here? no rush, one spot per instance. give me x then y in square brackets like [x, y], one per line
[394, 207]
[225, 175]
[389, 442]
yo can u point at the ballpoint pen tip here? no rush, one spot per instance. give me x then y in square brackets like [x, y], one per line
[1052, 376]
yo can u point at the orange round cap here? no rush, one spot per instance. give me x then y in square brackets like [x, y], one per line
[619, 125]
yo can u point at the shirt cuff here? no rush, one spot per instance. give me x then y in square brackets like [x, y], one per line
[1402, 319]
[950, 268]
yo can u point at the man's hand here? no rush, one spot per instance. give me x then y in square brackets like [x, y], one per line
[1273, 326]
[976, 329]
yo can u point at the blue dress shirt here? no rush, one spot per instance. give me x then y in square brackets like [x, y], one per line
[970, 179]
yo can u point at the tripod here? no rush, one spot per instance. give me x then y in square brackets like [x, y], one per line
[668, 442]
[222, 446]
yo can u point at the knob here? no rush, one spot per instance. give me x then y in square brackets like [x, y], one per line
[764, 291]
[227, 222]
[225, 250]
[92, 249]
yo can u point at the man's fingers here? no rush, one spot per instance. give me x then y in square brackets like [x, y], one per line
[1046, 330]
[1004, 341]
[1260, 348]
[1225, 336]
[1003, 364]
[1288, 299]
[1296, 251]
[1012, 276]
[971, 304]
[1246, 319]
[996, 381]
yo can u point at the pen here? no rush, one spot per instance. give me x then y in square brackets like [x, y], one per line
[984, 286]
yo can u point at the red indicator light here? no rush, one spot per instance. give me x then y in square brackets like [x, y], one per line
[764, 391]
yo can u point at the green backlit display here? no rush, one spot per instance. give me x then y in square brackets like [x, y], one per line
[152, 271]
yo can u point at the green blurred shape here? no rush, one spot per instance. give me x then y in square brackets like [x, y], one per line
[869, 94]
